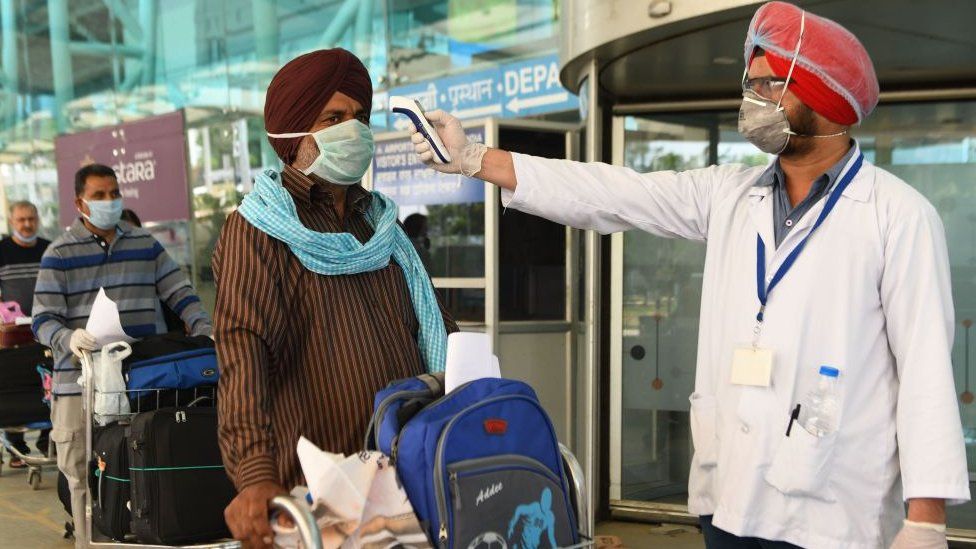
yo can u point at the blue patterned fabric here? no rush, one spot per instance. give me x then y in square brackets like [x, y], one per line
[271, 209]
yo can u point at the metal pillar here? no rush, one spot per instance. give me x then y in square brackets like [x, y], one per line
[131, 34]
[364, 27]
[265, 15]
[590, 365]
[207, 168]
[340, 23]
[266, 33]
[64, 81]
[121, 12]
[147, 21]
[105, 49]
[8, 58]
[242, 157]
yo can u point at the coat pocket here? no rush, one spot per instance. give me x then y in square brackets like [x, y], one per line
[704, 419]
[801, 465]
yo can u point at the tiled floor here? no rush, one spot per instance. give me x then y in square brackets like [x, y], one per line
[34, 520]
[639, 536]
[30, 519]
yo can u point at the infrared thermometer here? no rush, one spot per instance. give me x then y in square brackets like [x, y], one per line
[412, 109]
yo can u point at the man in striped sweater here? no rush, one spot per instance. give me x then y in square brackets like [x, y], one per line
[99, 251]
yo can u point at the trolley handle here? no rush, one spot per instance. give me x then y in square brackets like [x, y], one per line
[304, 521]
[577, 483]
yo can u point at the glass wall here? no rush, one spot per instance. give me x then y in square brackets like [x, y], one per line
[932, 146]
[78, 65]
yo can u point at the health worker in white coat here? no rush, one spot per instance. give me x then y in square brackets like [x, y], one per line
[820, 258]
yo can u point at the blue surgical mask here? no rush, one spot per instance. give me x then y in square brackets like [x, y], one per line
[25, 239]
[345, 151]
[105, 214]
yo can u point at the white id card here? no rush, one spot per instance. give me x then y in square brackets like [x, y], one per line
[752, 366]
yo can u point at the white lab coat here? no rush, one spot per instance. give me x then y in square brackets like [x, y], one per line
[869, 295]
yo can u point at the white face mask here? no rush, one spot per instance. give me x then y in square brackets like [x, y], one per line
[25, 239]
[345, 151]
[104, 214]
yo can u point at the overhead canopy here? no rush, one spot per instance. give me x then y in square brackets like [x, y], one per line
[914, 45]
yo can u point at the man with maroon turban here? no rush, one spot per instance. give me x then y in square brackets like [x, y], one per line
[824, 395]
[321, 297]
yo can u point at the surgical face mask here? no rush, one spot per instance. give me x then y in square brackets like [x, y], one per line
[25, 239]
[345, 152]
[105, 214]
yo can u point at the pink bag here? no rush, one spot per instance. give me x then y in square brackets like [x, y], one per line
[10, 311]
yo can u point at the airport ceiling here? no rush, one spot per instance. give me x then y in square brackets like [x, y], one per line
[914, 45]
[89, 20]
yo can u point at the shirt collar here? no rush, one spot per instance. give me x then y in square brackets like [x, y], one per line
[79, 230]
[310, 189]
[774, 173]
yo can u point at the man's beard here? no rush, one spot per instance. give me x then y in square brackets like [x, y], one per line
[804, 122]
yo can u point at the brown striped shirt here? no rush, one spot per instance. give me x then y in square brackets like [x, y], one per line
[302, 354]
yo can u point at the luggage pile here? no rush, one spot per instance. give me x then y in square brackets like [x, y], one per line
[156, 475]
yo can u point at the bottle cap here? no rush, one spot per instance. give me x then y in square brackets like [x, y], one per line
[829, 371]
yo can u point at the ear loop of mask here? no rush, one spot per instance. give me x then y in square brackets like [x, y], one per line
[287, 135]
[789, 76]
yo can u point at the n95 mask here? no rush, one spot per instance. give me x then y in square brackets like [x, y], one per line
[764, 123]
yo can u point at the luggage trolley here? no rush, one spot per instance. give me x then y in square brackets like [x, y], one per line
[299, 514]
[22, 389]
[305, 522]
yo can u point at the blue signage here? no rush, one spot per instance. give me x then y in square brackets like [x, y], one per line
[518, 89]
[399, 174]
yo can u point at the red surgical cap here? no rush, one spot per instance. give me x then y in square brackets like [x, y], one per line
[833, 75]
[301, 89]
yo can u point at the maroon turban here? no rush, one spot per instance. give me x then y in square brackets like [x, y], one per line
[300, 90]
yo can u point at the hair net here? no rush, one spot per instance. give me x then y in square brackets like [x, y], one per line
[833, 75]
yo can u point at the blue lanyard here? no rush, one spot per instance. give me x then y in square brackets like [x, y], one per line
[761, 287]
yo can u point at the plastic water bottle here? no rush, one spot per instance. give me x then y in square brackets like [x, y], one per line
[822, 404]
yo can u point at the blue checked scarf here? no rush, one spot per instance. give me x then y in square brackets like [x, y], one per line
[271, 210]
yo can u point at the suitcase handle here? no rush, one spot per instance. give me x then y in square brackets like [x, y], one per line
[198, 400]
[307, 528]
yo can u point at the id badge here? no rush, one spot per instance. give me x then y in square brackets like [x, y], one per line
[752, 366]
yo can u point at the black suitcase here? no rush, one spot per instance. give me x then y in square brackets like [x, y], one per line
[21, 392]
[109, 481]
[179, 486]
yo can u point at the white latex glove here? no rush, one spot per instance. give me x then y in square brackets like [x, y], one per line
[920, 535]
[82, 340]
[465, 156]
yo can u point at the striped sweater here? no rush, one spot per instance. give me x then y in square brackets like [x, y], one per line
[136, 273]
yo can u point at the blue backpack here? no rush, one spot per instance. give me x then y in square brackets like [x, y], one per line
[182, 370]
[171, 361]
[482, 465]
